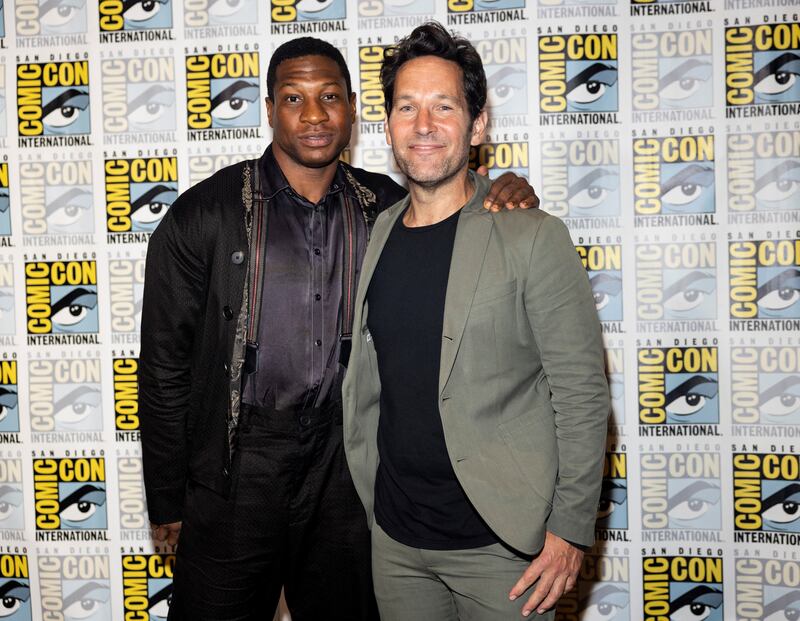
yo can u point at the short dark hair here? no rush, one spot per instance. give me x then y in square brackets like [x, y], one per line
[304, 46]
[431, 39]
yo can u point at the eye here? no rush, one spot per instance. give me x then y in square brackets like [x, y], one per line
[82, 504]
[593, 188]
[604, 602]
[151, 105]
[10, 499]
[782, 614]
[225, 8]
[689, 292]
[691, 396]
[693, 501]
[783, 507]
[691, 612]
[503, 85]
[151, 206]
[8, 402]
[685, 80]
[778, 75]
[86, 601]
[780, 292]
[142, 10]
[696, 604]
[60, 13]
[12, 595]
[781, 399]
[601, 611]
[779, 183]
[67, 209]
[776, 83]
[686, 186]
[65, 109]
[74, 307]
[313, 6]
[77, 405]
[234, 100]
[591, 83]
[604, 287]
[612, 496]
[587, 93]
[160, 603]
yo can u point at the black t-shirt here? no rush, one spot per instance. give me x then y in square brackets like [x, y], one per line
[418, 500]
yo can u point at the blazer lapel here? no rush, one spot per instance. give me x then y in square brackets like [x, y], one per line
[469, 250]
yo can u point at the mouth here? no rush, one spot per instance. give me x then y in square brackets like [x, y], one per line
[425, 148]
[316, 139]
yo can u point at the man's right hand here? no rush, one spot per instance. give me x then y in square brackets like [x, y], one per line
[166, 532]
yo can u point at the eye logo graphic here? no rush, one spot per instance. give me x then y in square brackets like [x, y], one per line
[53, 98]
[673, 175]
[676, 281]
[602, 592]
[5, 201]
[12, 513]
[15, 588]
[682, 587]
[9, 396]
[604, 266]
[200, 13]
[767, 589]
[578, 73]
[70, 494]
[762, 64]
[766, 496]
[395, 8]
[65, 395]
[671, 70]
[61, 297]
[612, 510]
[50, 17]
[138, 95]
[764, 279]
[139, 192]
[504, 61]
[763, 172]
[765, 383]
[57, 197]
[500, 158]
[77, 587]
[118, 15]
[147, 590]
[284, 11]
[679, 385]
[370, 59]
[222, 90]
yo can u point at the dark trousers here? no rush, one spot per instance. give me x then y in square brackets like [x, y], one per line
[293, 519]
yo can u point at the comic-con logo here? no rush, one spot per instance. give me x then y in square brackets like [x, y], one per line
[763, 173]
[764, 279]
[286, 11]
[615, 373]
[9, 396]
[680, 491]
[578, 74]
[41, 18]
[460, 12]
[116, 15]
[65, 395]
[126, 283]
[682, 587]
[612, 510]
[671, 71]
[132, 505]
[506, 67]
[126, 394]
[678, 385]
[61, 297]
[147, 586]
[12, 512]
[56, 197]
[765, 385]
[202, 165]
[222, 90]
[602, 592]
[394, 8]
[70, 493]
[582, 179]
[7, 314]
[762, 64]
[500, 157]
[604, 266]
[766, 497]
[138, 95]
[15, 587]
[673, 175]
[5, 201]
[53, 98]
[139, 192]
[767, 589]
[75, 587]
[676, 281]
[372, 113]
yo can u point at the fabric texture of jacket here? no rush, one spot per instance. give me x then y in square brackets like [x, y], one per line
[194, 316]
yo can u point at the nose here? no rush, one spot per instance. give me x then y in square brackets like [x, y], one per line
[423, 122]
[313, 112]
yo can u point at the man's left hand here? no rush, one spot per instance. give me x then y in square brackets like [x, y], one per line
[556, 569]
[509, 191]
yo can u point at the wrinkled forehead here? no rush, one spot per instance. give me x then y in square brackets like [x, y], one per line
[308, 70]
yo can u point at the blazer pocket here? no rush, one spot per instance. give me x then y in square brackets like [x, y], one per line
[532, 444]
[493, 292]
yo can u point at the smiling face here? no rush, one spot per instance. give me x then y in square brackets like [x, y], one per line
[312, 114]
[429, 127]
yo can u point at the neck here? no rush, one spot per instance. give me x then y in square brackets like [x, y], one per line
[310, 183]
[430, 205]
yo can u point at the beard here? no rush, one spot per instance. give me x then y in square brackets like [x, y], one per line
[432, 174]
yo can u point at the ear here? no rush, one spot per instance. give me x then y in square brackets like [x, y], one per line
[353, 107]
[386, 131]
[270, 109]
[479, 128]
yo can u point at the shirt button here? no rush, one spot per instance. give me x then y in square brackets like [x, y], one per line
[225, 367]
[318, 342]
[317, 297]
[305, 421]
[317, 251]
[227, 312]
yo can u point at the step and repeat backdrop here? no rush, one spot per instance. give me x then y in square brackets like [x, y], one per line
[665, 134]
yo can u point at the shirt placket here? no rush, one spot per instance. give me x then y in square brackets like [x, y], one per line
[318, 337]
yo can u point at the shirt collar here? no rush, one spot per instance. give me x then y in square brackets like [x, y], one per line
[273, 180]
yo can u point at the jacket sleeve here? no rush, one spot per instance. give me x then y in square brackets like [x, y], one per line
[561, 309]
[175, 276]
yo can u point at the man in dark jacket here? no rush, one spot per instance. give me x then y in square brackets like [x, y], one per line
[246, 328]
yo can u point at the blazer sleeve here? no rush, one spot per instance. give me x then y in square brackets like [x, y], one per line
[175, 276]
[561, 310]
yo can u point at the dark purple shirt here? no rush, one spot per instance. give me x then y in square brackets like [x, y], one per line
[298, 331]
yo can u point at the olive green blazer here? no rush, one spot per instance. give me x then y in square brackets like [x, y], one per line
[522, 390]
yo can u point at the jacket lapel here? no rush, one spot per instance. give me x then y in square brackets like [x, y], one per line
[469, 250]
